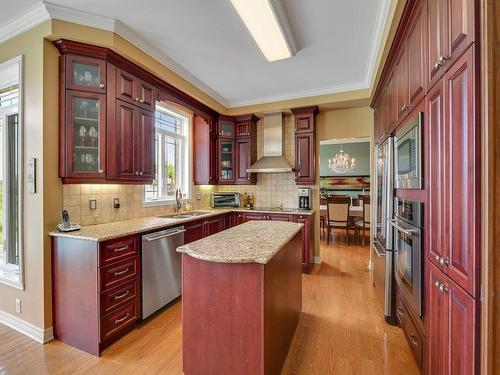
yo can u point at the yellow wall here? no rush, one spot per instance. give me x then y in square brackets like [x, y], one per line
[30, 44]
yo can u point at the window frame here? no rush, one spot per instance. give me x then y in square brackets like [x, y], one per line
[188, 117]
[20, 282]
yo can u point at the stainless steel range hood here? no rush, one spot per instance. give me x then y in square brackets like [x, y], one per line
[273, 160]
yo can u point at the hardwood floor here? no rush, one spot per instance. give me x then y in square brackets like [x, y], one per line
[341, 332]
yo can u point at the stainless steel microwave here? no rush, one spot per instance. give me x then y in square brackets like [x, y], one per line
[408, 155]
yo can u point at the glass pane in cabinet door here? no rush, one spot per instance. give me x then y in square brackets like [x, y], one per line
[86, 135]
[226, 161]
[86, 75]
[227, 129]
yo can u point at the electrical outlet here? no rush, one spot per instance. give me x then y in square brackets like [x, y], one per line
[116, 202]
[18, 306]
[198, 197]
[93, 204]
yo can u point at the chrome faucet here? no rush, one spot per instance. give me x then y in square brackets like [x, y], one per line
[178, 197]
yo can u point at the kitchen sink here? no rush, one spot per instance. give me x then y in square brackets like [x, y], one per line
[184, 215]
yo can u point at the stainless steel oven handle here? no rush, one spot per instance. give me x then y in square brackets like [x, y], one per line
[408, 232]
[375, 248]
[165, 235]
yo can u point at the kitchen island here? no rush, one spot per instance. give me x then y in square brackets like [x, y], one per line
[242, 298]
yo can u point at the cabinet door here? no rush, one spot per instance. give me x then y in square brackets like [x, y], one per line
[460, 28]
[416, 55]
[307, 257]
[85, 135]
[201, 151]
[376, 121]
[146, 95]
[390, 103]
[461, 340]
[435, 323]
[437, 233]
[144, 145]
[226, 127]
[463, 160]
[85, 74]
[243, 160]
[436, 19]
[242, 128]
[194, 231]
[254, 216]
[126, 86]
[226, 161]
[213, 226]
[304, 122]
[402, 83]
[124, 136]
[304, 158]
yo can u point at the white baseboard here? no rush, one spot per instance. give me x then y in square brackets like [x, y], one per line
[38, 334]
[317, 260]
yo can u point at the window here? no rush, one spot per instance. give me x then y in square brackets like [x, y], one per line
[172, 160]
[10, 172]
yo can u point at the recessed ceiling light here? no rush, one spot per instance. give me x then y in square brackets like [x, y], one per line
[267, 23]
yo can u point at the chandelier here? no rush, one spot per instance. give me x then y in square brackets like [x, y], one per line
[342, 162]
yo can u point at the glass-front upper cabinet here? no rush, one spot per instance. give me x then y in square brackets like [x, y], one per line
[226, 160]
[226, 128]
[85, 74]
[85, 141]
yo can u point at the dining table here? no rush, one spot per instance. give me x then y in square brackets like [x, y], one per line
[354, 211]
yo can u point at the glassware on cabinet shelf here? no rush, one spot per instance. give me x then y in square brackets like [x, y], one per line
[86, 75]
[93, 135]
[83, 133]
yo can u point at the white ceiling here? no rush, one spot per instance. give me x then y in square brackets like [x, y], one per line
[205, 42]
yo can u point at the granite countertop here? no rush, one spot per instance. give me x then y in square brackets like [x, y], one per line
[250, 242]
[108, 231]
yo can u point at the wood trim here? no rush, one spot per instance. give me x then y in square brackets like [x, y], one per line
[166, 91]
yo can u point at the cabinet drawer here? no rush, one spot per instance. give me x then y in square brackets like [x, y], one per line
[114, 250]
[119, 272]
[412, 335]
[119, 296]
[113, 323]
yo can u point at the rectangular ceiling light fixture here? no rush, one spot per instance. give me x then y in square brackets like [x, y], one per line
[267, 23]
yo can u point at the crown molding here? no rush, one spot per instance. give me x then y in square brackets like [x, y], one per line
[29, 19]
[376, 44]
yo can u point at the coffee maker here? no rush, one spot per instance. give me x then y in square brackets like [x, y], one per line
[305, 198]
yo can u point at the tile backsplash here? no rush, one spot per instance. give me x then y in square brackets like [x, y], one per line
[271, 190]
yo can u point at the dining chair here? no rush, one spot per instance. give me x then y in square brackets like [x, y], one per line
[337, 215]
[363, 223]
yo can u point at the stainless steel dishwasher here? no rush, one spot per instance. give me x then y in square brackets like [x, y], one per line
[161, 268]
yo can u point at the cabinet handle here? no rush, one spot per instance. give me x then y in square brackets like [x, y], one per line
[120, 249]
[118, 273]
[122, 295]
[122, 319]
[436, 284]
[141, 100]
[441, 60]
[413, 340]
[101, 170]
[444, 261]
[443, 288]
[136, 99]
[436, 64]
[101, 85]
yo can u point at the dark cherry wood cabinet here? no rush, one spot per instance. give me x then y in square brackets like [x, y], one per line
[402, 83]
[196, 230]
[96, 290]
[454, 240]
[452, 28]
[416, 46]
[245, 148]
[451, 325]
[204, 151]
[83, 73]
[305, 144]
[131, 143]
[134, 90]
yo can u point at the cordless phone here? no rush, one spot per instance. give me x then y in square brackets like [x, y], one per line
[66, 225]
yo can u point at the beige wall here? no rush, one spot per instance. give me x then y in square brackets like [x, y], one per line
[31, 45]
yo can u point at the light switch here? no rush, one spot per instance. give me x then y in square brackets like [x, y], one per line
[93, 204]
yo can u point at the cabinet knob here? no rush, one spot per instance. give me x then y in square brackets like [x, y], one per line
[438, 258]
[436, 284]
[101, 85]
[443, 288]
[436, 65]
[441, 60]
[136, 173]
[141, 100]
[141, 173]
[101, 170]
[136, 99]
[443, 261]
[413, 340]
